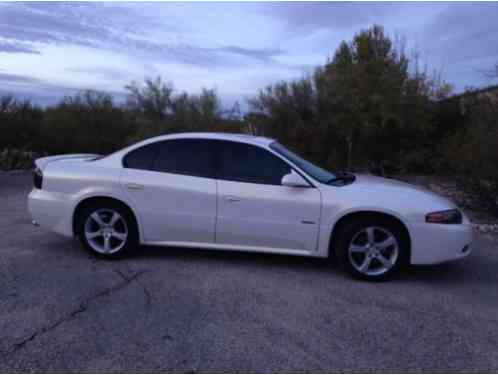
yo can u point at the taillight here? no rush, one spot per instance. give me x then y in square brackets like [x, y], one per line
[444, 217]
[38, 178]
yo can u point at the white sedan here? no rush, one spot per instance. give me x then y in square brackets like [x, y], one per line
[245, 193]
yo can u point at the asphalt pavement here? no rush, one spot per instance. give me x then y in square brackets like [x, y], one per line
[187, 310]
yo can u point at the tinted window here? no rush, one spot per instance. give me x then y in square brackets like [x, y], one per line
[193, 157]
[247, 163]
[141, 158]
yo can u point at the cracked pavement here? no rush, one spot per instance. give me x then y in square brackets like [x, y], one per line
[182, 310]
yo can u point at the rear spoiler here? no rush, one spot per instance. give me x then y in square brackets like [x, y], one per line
[42, 162]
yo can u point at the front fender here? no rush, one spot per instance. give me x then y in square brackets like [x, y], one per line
[329, 224]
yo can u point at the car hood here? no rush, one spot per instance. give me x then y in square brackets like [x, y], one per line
[389, 189]
[375, 182]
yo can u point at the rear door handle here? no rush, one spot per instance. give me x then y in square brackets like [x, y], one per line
[134, 186]
[231, 198]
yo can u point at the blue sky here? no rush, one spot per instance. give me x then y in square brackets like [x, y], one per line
[51, 49]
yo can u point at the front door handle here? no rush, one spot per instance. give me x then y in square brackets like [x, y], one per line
[232, 198]
[134, 186]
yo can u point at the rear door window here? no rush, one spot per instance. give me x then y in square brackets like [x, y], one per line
[191, 157]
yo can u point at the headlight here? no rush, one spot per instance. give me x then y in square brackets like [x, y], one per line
[445, 217]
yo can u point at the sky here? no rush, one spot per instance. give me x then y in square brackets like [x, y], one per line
[48, 50]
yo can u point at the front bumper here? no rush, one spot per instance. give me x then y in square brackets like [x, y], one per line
[438, 243]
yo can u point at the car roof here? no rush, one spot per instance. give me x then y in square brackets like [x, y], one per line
[244, 138]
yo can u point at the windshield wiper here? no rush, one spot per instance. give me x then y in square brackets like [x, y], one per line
[342, 176]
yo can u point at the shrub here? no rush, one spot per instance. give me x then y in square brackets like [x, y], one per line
[472, 153]
[12, 159]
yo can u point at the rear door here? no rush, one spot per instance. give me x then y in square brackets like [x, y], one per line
[255, 210]
[171, 184]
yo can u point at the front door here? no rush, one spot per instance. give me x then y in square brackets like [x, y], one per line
[255, 210]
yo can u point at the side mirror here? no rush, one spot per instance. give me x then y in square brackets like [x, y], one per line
[294, 180]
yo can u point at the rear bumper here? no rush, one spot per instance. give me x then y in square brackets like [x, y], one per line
[52, 211]
[438, 243]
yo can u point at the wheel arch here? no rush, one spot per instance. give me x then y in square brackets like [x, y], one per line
[101, 198]
[347, 217]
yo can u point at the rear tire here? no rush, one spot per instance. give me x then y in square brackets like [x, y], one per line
[107, 230]
[371, 248]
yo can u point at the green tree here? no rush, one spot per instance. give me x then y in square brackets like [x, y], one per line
[19, 123]
[86, 122]
[364, 106]
[151, 99]
[471, 153]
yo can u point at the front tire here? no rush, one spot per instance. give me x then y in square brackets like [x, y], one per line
[107, 230]
[371, 248]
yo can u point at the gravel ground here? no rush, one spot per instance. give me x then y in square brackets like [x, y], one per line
[179, 310]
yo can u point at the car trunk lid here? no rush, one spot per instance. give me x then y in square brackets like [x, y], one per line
[41, 163]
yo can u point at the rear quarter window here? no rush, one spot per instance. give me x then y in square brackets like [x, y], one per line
[141, 158]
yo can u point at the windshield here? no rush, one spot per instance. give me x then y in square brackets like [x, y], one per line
[311, 169]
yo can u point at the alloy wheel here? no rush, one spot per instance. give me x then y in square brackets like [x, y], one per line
[106, 231]
[373, 251]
